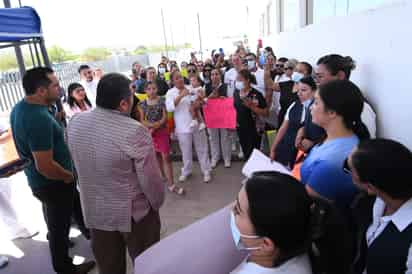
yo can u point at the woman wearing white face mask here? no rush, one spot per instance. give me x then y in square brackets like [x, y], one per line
[279, 224]
[249, 104]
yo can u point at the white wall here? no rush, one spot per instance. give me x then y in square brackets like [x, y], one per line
[380, 41]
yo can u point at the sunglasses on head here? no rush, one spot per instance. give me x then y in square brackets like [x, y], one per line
[346, 167]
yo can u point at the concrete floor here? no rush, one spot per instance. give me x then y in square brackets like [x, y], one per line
[32, 256]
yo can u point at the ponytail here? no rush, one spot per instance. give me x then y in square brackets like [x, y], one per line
[361, 130]
[331, 244]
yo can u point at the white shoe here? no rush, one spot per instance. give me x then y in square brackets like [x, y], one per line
[183, 178]
[228, 164]
[193, 124]
[3, 261]
[233, 147]
[213, 164]
[202, 126]
[207, 178]
[241, 155]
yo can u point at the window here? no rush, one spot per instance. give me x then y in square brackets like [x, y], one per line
[269, 18]
[324, 9]
[290, 15]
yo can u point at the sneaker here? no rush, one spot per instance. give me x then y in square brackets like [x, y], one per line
[207, 178]
[233, 147]
[202, 126]
[213, 164]
[183, 178]
[84, 268]
[193, 124]
[228, 164]
[3, 261]
[240, 154]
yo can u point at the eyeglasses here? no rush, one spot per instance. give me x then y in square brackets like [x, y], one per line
[289, 68]
[191, 71]
[346, 167]
[279, 65]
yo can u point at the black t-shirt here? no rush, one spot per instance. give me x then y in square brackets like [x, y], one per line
[162, 87]
[222, 90]
[246, 118]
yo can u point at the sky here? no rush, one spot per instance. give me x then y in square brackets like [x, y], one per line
[79, 24]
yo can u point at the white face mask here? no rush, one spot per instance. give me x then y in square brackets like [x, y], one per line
[251, 65]
[239, 85]
[297, 76]
[237, 235]
[162, 70]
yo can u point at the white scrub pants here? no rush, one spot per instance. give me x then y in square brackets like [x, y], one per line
[220, 143]
[186, 141]
[9, 223]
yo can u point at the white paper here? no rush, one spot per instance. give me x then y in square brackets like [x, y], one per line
[260, 162]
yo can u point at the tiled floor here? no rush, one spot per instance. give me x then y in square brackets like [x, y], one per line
[32, 256]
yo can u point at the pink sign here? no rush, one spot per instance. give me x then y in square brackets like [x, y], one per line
[220, 113]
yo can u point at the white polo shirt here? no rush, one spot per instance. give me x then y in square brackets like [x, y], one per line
[181, 112]
[91, 90]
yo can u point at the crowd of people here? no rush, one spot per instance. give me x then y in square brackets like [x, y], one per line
[345, 210]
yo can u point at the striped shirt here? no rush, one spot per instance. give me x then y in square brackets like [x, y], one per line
[118, 174]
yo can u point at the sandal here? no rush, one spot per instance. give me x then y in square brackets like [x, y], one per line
[175, 189]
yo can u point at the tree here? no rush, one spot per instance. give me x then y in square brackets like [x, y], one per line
[8, 61]
[95, 54]
[140, 50]
[58, 54]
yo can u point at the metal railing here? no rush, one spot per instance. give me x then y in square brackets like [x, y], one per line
[11, 89]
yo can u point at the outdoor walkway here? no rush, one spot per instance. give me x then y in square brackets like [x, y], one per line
[32, 256]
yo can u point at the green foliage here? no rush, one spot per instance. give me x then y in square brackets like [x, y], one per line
[95, 54]
[8, 61]
[58, 54]
[159, 48]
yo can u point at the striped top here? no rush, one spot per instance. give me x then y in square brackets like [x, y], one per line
[119, 177]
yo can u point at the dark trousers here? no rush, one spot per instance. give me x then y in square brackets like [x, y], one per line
[249, 139]
[57, 201]
[109, 247]
[77, 214]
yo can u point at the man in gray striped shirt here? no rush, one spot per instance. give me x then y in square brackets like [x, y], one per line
[120, 184]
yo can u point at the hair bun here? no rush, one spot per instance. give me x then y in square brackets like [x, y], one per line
[349, 62]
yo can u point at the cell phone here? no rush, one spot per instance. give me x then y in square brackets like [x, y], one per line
[14, 166]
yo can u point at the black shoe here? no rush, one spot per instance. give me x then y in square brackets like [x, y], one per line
[84, 268]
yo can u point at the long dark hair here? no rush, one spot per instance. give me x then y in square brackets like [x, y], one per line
[281, 209]
[385, 164]
[346, 99]
[70, 99]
